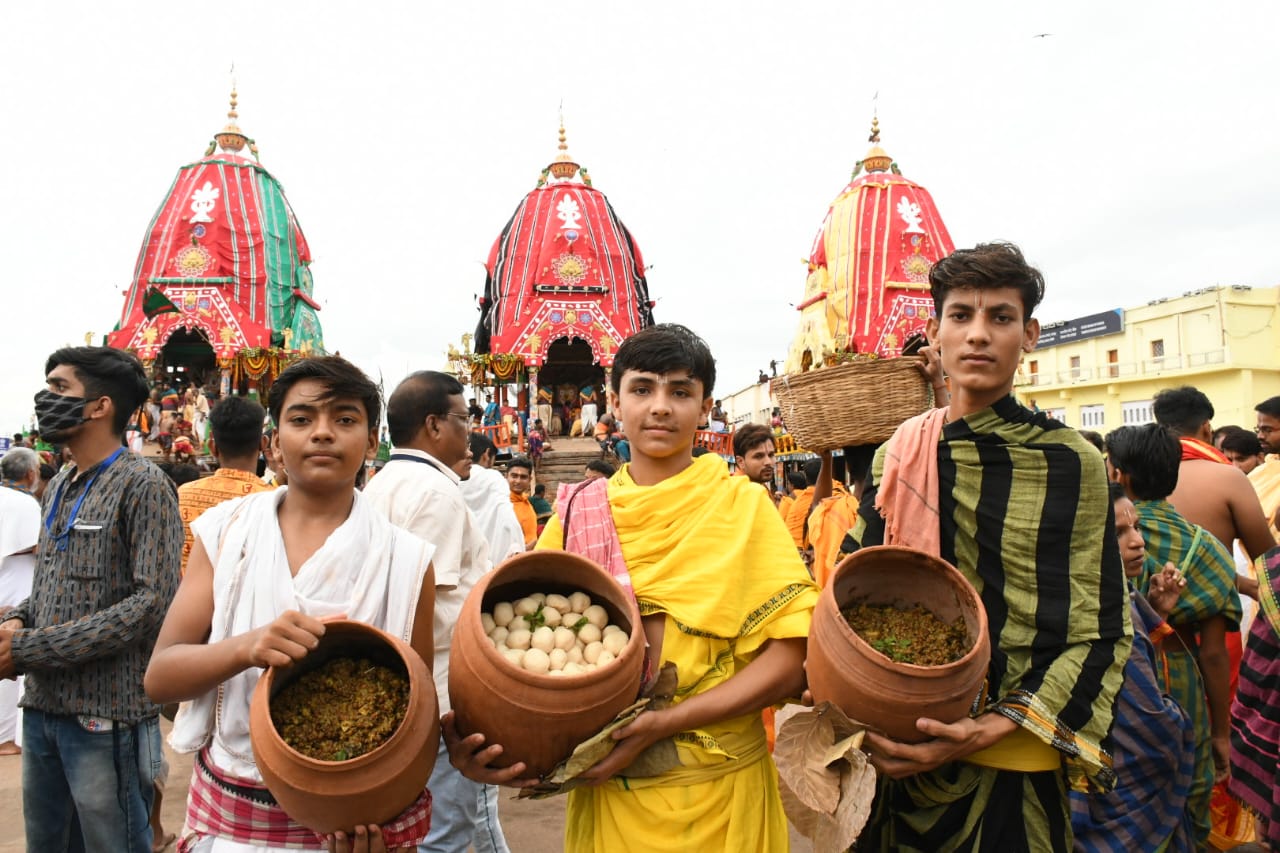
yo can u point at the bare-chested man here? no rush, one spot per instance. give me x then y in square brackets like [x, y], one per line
[1211, 492]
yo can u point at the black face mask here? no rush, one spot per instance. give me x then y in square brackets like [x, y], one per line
[56, 413]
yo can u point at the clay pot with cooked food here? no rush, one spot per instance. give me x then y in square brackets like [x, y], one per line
[845, 668]
[333, 792]
[538, 718]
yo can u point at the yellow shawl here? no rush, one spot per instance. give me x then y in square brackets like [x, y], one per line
[1266, 482]
[711, 552]
[707, 549]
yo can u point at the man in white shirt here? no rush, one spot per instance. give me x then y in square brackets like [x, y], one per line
[19, 532]
[489, 497]
[418, 490]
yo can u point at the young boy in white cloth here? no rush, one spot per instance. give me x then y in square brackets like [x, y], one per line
[263, 573]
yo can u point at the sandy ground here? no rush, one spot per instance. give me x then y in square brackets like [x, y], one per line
[531, 826]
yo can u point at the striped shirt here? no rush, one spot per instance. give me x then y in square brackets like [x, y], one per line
[1206, 563]
[96, 607]
[1210, 573]
[1025, 516]
[199, 495]
[1154, 748]
[1255, 716]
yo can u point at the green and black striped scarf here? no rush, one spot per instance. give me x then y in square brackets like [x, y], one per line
[1025, 515]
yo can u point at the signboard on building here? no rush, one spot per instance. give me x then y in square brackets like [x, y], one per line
[1070, 331]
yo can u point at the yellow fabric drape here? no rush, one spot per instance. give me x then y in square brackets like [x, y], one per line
[1266, 482]
[711, 553]
[705, 548]
[1019, 750]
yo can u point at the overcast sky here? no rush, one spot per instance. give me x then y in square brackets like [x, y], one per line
[1133, 152]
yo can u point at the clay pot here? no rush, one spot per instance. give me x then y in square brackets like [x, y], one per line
[539, 719]
[327, 796]
[870, 687]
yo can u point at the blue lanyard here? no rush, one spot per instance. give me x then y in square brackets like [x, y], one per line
[63, 539]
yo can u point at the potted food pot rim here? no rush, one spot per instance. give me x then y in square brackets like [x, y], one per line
[539, 719]
[867, 685]
[332, 796]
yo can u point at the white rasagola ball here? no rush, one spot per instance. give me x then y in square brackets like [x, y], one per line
[543, 639]
[536, 660]
[614, 643]
[564, 638]
[596, 615]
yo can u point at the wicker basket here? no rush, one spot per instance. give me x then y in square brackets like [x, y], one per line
[859, 402]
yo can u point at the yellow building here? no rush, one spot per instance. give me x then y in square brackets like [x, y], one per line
[1101, 372]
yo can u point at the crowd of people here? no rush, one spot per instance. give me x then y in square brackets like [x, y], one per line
[1130, 702]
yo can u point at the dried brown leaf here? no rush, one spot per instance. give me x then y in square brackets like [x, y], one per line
[842, 747]
[803, 818]
[654, 761]
[812, 744]
[662, 691]
[800, 749]
[837, 833]
[585, 755]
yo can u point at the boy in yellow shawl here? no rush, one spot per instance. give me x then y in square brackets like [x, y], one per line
[724, 597]
[1019, 504]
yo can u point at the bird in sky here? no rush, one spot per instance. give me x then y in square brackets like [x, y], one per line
[1041, 35]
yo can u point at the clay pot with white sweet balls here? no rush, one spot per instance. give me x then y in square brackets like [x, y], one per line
[547, 650]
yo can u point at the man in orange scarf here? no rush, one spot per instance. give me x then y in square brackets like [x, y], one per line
[798, 517]
[520, 478]
[835, 508]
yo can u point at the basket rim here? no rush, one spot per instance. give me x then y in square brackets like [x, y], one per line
[790, 381]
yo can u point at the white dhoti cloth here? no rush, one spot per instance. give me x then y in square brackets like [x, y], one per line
[367, 569]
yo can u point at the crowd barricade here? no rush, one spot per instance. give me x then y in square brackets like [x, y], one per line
[716, 442]
[505, 436]
[785, 443]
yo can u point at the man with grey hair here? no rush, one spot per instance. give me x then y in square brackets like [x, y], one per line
[419, 490]
[19, 531]
[20, 469]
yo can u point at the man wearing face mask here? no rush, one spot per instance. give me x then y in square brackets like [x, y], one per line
[107, 569]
